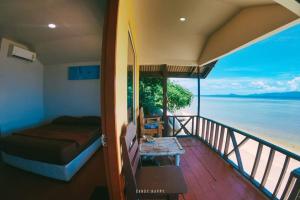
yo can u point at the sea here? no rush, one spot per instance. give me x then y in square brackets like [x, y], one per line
[277, 121]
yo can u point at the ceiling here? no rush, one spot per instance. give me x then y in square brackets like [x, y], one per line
[164, 39]
[77, 37]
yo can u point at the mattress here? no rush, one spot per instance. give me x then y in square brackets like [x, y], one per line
[56, 143]
[60, 172]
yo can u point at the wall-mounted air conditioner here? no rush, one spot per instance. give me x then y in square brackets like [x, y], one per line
[22, 53]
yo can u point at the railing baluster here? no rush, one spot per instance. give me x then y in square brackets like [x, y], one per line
[237, 151]
[173, 126]
[282, 174]
[207, 130]
[294, 189]
[288, 188]
[268, 168]
[216, 136]
[257, 160]
[203, 128]
[227, 143]
[197, 126]
[212, 130]
[192, 125]
[221, 138]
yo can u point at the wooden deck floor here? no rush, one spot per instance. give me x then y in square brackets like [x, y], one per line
[208, 177]
[16, 184]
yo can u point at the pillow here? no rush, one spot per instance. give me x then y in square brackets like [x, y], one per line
[151, 126]
[69, 120]
[90, 120]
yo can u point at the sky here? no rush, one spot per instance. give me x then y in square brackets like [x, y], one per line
[271, 65]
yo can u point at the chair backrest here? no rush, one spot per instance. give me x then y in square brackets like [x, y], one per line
[131, 159]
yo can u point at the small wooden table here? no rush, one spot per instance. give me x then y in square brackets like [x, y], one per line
[162, 146]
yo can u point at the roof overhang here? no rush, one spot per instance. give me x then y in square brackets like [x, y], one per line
[176, 71]
[213, 29]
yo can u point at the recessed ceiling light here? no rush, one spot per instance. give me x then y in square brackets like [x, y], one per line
[182, 19]
[52, 26]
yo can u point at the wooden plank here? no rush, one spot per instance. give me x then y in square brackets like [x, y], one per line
[282, 174]
[216, 136]
[237, 151]
[257, 160]
[221, 138]
[268, 168]
[208, 177]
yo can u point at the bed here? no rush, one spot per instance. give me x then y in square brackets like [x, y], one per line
[56, 150]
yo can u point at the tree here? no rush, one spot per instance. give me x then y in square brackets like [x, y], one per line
[151, 95]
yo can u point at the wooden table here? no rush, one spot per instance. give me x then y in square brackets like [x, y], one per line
[162, 146]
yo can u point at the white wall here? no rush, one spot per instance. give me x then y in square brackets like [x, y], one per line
[21, 91]
[69, 97]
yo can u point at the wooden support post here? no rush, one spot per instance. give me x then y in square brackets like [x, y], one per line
[198, 111]
[165, 99]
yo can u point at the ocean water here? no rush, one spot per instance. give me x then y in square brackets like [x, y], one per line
[277, 121]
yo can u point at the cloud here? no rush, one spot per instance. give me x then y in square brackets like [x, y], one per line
[249, 85]
[294, 84]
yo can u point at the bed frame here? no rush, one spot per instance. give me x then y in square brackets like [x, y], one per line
[60, 172]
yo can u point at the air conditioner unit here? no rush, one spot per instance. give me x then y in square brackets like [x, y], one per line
[23, 53]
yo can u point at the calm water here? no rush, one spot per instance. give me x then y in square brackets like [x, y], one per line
[275, 120]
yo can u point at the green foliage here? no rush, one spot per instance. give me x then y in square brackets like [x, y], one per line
[151, 95]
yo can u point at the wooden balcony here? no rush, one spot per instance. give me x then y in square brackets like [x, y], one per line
[222, 162]
[209, 177]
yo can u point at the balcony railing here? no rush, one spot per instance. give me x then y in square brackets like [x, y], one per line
[227, 141]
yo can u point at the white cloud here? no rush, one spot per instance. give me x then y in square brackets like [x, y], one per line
[294, 84]
[248, 85]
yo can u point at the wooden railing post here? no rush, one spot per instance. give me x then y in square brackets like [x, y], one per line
[292, 188]
[237, 151]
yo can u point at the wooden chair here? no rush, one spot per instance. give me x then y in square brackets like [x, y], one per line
[148, 182]
[150, 120]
